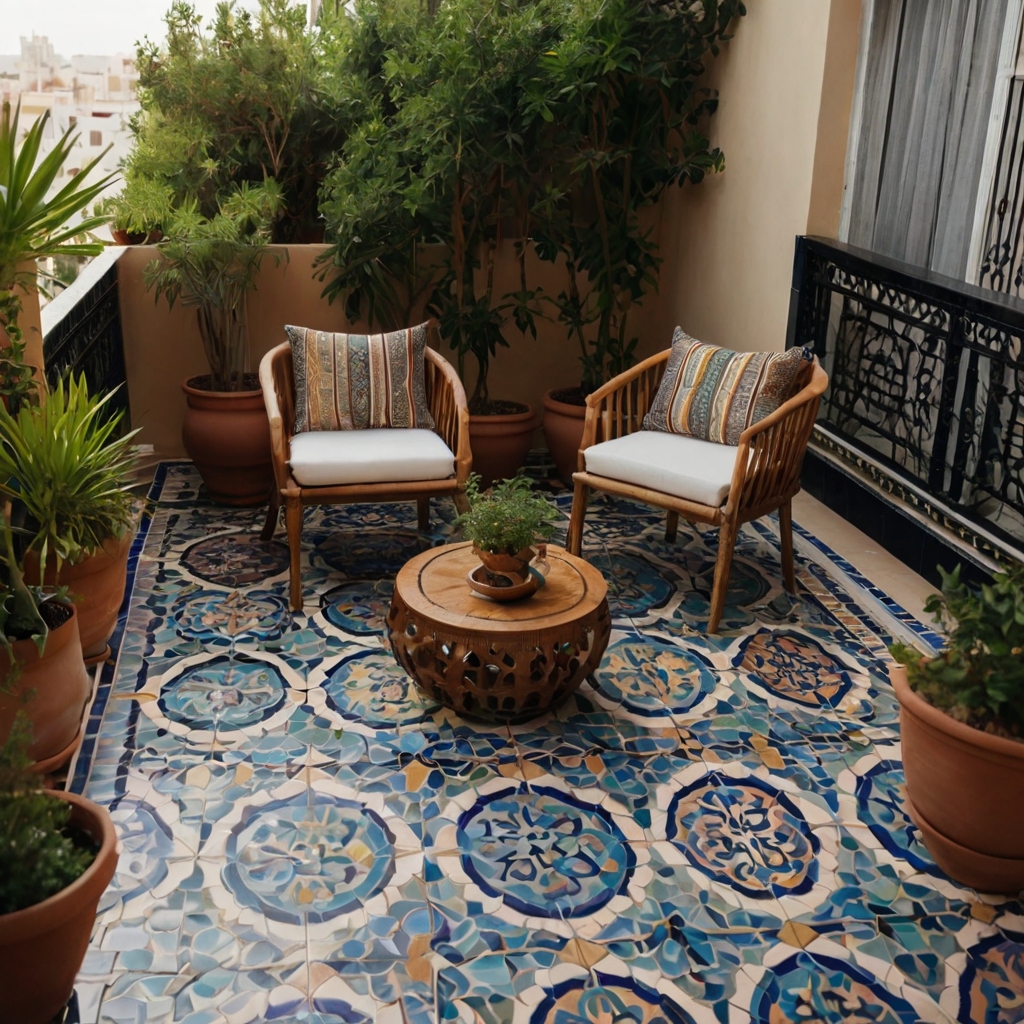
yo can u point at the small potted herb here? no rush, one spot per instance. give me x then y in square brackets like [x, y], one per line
[962, 731]
[59, 852]
[504, 523]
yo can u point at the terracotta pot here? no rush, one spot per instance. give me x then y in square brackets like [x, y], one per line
[961, 786]
[563, 431]
[42, 947]
[500, 444]
[96, 586]
[61, 689]
[122, 237]
[516, 567]
[227, 435]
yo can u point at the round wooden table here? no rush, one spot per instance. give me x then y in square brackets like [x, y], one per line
[484, 659]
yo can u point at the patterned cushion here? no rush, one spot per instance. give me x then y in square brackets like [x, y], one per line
[714, 394]
[359, 381]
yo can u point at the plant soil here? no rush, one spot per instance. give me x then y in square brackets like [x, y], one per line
[972, 717]
[204, 382]
[55, 613]
[497, 407]
[570, 396]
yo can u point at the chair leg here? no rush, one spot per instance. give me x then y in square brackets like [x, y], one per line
[423, 514]
[580, 494]
[461, 502]
[273, 514]
[726, 540]
[786, 544]
[671, 525]
[293, 520]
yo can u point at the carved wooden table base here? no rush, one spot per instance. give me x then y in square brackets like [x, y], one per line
[502, 662]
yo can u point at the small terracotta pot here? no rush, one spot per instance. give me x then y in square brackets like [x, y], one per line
[227, 435]
[42, 947]
[516, 567]
[122, 237]
[61, 689]
[96, 586]
[500, 444]
[563, 431]
[962, 787]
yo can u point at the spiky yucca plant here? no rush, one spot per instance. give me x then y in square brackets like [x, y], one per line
[64, 468]
[33, 227]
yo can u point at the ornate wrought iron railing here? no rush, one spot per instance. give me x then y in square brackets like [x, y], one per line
[926, 384]
[82, 331]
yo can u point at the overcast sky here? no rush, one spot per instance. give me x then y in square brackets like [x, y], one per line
[87, 26]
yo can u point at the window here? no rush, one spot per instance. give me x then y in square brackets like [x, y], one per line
[95, 138]
[929, 81]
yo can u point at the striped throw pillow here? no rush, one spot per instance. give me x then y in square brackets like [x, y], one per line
[714, 394]
[359, 381]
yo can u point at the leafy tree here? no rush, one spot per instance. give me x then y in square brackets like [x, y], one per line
[240, 102]
[553, 122]
[625, 110]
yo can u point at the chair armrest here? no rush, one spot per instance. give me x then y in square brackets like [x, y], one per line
[450, 410]
[275, 375]
[619, 407]
[771, 451]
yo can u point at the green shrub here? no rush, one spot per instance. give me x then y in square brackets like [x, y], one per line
[508, 517]
[978, 677]
[64, 467]
[241, 100]
[38, 855]
[552, 123]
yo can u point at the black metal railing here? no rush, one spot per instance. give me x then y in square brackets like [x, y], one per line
[926, 377]
[82, 332]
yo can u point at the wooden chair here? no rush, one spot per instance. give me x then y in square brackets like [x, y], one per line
[447, 401]
[765, 473]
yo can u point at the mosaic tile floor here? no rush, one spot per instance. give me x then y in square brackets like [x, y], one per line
[711, 830]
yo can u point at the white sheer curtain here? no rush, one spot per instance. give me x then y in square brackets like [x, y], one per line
[930, 74]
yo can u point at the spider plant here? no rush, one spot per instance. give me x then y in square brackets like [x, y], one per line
[33, 226]
[64, 469]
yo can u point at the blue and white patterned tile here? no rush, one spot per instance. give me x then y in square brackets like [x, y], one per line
[712, 829]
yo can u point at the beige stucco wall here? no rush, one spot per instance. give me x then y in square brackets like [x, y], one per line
[785, 83]
[163, 346]
[728, 244]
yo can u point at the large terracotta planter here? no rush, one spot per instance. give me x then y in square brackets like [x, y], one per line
[227, 435]
[965, 791]
[42, 947]
[96, 586]
[500, 444]
[563, 431]
[59, 688]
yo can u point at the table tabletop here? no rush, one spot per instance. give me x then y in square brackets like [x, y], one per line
[433, 585]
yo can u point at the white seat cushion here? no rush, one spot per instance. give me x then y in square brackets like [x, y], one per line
[675, 464]
[326, 458]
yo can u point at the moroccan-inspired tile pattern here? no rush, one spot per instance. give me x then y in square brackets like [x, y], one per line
[711, 830]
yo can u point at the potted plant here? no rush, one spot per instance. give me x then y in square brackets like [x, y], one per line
[962, 732]
[504, 523]
[64, 468]
[41, 669]
[33, 227]
[59, 853]
[211, 264]
[626, 116]
[451, 161]
[138, 212]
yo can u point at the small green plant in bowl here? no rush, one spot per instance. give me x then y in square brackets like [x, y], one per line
[504, 523]
[978, 677]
